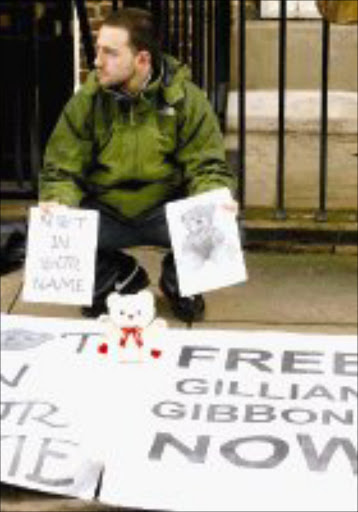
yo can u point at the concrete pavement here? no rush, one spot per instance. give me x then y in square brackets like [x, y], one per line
[285, 291]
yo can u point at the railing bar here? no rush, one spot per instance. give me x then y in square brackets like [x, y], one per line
[210, 50]
[201, 49]
[176, 28]
[34, 100]
[156, 9]
[185, 31]
[86, 33]
[18, 140]
[195, 64]
[222, 58]
[165, 7]
[217, 29]
[280, 184]
[322, 212]
[242, 107]
[18, 103]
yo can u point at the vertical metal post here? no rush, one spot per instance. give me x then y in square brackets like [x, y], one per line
[242, 107]
[18, 111]
[222, 58]
[34, 99]
[321, 214]
[196, 59]
[141, 4]
[210, 48]
[86, 33]
[18, 139]
[157, 12]
[280, 213]
[176, 28]
[201, 42]
[185, 53]
[166, 25]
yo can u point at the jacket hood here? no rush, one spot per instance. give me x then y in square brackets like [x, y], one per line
[169, 81]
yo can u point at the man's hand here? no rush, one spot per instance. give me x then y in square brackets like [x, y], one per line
[48, 206]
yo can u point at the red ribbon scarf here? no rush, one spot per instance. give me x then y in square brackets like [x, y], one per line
[127, 332]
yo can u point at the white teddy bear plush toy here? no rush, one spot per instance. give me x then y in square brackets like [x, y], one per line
[132, 332]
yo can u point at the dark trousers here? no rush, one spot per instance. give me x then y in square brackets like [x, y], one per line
[117, 232]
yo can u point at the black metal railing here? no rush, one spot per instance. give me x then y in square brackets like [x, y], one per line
[280, 212]
[199, 33]
[37, 53]
[323, 175]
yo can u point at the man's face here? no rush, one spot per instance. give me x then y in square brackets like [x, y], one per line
[115, 61]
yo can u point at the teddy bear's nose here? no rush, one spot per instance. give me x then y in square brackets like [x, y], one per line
[131, 317]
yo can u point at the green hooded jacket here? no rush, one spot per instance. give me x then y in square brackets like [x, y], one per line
[133, 154]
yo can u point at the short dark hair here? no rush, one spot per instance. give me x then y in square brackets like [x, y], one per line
[141, 28]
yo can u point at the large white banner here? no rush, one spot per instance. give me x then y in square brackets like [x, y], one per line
[244, 421]
[42, 443]
[223, 420]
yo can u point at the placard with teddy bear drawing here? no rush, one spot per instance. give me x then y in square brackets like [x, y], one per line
[206, 242]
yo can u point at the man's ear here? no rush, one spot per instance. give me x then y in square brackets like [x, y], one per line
[144, 58]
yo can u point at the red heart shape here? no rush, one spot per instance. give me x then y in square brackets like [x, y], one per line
[103, 349]
[155, 353]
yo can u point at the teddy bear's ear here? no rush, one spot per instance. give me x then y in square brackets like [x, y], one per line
[146, 297]
[112, 300]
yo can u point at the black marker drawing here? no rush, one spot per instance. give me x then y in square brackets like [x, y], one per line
[203, 238]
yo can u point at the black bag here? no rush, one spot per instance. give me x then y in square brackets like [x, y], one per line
[13, 246]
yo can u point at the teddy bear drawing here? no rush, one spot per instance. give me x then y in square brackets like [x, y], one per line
[131, 330]
[203, 239]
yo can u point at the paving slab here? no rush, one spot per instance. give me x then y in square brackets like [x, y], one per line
[10, 288]
[15, 499]
[149, 257]
[289, 328]
[38, 309]
[302, 111]
[303, 289]
[301, 170]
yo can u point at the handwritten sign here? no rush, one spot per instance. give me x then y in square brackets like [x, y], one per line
[206, 243]
[42, 446]
[60, 256]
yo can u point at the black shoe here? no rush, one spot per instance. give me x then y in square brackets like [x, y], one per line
[187, 309]
[132, 283]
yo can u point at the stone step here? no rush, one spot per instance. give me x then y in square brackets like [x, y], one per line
[302, 148]
[302, 163]
[302, 111]
[304, 53]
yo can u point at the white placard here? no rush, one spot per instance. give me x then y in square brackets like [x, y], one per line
[239, 421]
[206, 243]
[42, 442]
[60, 257]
